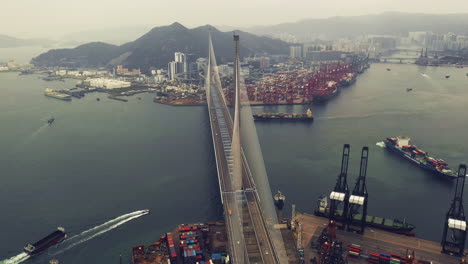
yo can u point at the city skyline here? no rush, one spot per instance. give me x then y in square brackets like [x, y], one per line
[52, 18]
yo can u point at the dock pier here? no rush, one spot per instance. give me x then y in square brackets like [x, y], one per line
[373, 240]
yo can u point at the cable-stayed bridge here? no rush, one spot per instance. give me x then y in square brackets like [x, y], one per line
[245, 191]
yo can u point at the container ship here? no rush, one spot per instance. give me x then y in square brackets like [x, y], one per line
[347, 79]
[329, 90]
[308, 116]
[402, 147]
[391, 225]
[54, 238]
[54, 94]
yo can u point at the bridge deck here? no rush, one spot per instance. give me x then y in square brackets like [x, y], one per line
[258, 245]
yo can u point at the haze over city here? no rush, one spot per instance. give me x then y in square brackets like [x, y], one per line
[55, 18]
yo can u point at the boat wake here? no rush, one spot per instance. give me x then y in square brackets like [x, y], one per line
[96, 231]
[82, 237]
[16, 259]
[380, 144]
[425, 75]
[30, 138]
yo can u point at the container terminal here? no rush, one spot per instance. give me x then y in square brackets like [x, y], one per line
[339, 235]
[299, 86]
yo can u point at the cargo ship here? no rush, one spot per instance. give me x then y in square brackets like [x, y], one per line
[52, 239]
[402, 147]
[326, 92]
[348, 79]
[54, 94]
[391, 225]
[308, 116]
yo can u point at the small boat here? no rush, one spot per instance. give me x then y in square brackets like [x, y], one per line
[409, 89]
[52, 239]
[97, 99]
[51, 120]
[388, 69]
[139, 98]
[447, 76]
[467, 74]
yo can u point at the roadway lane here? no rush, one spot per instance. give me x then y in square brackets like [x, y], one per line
[258, 243]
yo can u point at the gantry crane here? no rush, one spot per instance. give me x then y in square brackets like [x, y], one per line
[340, 194]
[357, 205]
[453, 240]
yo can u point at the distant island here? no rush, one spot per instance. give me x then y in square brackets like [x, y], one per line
[156, 48]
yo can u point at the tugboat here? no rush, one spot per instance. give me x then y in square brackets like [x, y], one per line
[54, 238]
[402, 147]
[308, 116]
[51, 120]
[391, 225]
[279, 200]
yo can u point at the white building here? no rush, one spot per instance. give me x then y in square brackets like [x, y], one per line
[172, 70]
[106, 83]
[61, 72]
[181, 58]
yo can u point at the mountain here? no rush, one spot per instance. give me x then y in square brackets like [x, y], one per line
[389, 23]
[156, 48]
[93, 55]
[12, 42]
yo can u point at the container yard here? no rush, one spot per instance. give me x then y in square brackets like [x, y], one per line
[302, 86]
[186, 244]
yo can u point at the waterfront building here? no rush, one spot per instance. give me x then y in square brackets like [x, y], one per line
[124, 71]
[181, 59]
[173, 68]
[106, 83]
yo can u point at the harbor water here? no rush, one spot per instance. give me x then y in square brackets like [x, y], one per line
[101, 162]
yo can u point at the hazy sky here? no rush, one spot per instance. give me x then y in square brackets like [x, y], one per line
[51, 18]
